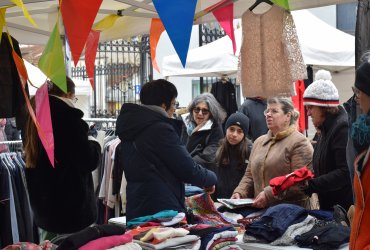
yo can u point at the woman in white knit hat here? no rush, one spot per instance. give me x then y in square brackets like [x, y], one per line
[332, 182]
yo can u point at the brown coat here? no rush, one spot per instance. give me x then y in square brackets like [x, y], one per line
[360, 228]
[272, 157]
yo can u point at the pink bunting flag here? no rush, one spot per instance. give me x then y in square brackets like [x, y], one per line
[43, 116]
[90, 54]
[225, 17]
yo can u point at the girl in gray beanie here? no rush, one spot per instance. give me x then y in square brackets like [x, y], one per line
[232, 155]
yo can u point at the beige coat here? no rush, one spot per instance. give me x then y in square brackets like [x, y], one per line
[276, 156]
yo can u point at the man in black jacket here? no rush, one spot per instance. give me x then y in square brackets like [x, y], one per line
[155, 162]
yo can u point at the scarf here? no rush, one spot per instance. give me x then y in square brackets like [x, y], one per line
[360, 133]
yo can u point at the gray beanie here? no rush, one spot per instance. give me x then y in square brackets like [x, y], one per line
[240, 120]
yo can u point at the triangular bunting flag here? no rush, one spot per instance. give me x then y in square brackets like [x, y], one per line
[20, 4]
[282, 3]
[43, 116]
[52, 60]
[2, 21]
[177, 17]
[225, 17]
[23, 76]
[90, 54]
[106, 23]
[156, 29]
[78, 18]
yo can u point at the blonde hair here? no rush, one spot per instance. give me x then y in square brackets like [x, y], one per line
[287, 106]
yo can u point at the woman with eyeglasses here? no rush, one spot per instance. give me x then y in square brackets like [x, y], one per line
[279, 152]
[62, 197]
[332, 181]
[203, 129]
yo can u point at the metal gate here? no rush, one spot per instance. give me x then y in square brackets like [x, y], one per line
[121, 68]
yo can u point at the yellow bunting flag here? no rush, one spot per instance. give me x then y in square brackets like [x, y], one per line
[52, 60]
[106, 23]
[20, 4]
[2, 20]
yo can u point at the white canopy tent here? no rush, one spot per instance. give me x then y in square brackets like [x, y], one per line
[135, 20]
[320, 43]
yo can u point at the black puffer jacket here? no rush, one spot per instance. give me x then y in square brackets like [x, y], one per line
[62, 198]
[202, 145]
[158, 167]
[332, 182]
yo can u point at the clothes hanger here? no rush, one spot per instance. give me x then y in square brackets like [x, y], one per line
[258, 2]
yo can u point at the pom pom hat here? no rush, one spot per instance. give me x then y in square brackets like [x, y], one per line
[322, 92]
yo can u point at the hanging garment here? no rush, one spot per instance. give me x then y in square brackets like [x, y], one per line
[224, 92]
[270, 57]
[298, 105]
[12, 103]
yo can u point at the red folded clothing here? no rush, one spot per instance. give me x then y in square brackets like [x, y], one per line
[282, 183]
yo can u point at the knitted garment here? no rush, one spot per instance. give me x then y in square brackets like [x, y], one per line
[287, 239]
[107, 242]
[46, 245]
[204, 210]
[186, 242]
[281, 183]
[270, 56]
[128, 246]
[169, 214]
[322, 92]
[76, 240]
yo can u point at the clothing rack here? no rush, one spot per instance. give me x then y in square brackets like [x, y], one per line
[13, 146]
[104, 124]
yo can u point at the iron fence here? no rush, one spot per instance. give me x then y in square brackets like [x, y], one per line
[121, 68]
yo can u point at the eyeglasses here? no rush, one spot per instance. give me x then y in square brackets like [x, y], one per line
[204, 111]
[271, 111]
[175, 104]
[356, 91]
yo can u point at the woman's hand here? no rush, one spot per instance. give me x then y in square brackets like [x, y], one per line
[260, 201]
[210, 190]
[235, 196]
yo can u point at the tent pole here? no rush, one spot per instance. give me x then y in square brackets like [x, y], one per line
[67, 56]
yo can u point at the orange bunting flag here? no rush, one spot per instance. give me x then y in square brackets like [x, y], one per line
[90, 54]
[225, 17]
[52, 60]
[78, 18]
[23, 76]
[156, 29]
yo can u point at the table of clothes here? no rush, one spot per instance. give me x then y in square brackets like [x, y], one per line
[283, 226]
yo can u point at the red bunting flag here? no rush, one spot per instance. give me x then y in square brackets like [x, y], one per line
[78, 18]
[90, 54]
[156, 29]
[225, 17]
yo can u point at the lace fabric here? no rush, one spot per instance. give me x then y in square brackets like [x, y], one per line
[270, 56]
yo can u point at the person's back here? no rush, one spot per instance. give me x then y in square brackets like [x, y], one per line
[155, 162]
[253, 108]
[62, 198]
